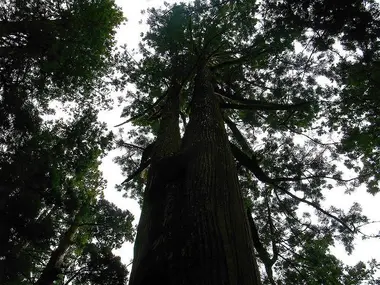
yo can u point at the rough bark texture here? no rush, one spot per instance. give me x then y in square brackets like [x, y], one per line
[213, 244]
[193, 228]
[149, 260]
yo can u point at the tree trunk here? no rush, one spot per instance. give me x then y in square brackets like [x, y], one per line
[157, 203]
[213, 244]
[54, 265]
[193, 228]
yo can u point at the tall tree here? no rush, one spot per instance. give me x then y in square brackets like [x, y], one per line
[249, 93]
[55, 225]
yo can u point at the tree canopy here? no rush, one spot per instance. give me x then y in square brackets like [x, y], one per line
[244, 116]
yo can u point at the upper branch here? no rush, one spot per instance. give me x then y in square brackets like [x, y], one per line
[252, 165]
[247, 54]
[239, 136]
[262, 252]
[250, 104]
[261, 105]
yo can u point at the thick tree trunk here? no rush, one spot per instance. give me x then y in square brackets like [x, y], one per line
[213, 245]
[193, 228]
[151, 235]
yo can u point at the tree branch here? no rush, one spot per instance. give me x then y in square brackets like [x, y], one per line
[271, 228]
[75, 275]
[239, 136]
[261, 105]
[148, 152]
[140, 169]
[91, 224]
[316, 141]
[124, 144]
[146, 111]
[263, 254]
[314, 205]
[295, 266]
[183, 118]
[251, 104]
[245, 160]
[252, 165]
[240, 59]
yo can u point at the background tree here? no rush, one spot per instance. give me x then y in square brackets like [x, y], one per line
[53, 207]
[56, 227]
[67, 44]
[264, 64]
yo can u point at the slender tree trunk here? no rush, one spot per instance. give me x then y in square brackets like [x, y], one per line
[54, 265]
[213, 244]
[151, 238]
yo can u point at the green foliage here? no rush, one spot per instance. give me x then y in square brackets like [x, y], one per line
[59, 49]
[102, 267]
[46, 181]
[51, 191]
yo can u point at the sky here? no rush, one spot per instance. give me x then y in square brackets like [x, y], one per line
[130, 34]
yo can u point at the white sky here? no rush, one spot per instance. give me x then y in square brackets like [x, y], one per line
[130, 34]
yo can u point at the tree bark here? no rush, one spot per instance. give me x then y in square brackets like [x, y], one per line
[152, 234]
[212, 244]
[193, 228]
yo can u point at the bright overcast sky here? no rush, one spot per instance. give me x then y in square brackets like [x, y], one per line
[130, 34]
